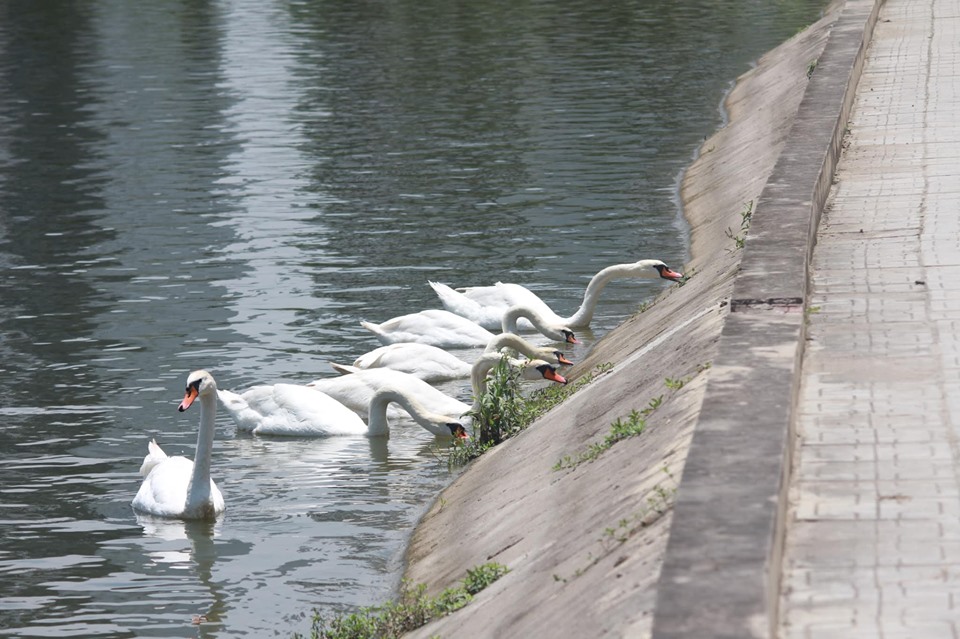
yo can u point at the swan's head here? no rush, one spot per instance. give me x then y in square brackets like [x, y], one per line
[457, 431]
[549, 372]
[662, 269]
[557, 333]
[539, 369]
[198, 383]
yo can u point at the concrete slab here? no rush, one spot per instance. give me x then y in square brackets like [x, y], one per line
[872, 544]
[721, 572]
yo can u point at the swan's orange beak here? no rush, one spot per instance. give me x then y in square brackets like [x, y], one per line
[192, 394]
[667, 274]
[554, 376]
[571, 338]
[562, 359]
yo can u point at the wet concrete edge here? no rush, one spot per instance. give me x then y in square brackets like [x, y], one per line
[721, 571]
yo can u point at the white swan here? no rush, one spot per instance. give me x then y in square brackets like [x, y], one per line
[175, 486]
[485, 305]
[448, 330]
[298, 411]
[355, 389]
[290, 409]
[433, 364]
[425, 362]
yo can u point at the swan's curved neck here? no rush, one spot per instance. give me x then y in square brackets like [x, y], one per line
[591, 296]
[513, 341]
[509, 322]
[377, 425]
[478, 375]
[199, 490]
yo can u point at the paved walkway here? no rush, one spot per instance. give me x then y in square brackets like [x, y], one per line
[873, 534]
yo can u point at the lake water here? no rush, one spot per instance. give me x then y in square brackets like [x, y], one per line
[233, 185]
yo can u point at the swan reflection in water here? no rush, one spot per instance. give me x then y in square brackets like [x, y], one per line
[176, 545]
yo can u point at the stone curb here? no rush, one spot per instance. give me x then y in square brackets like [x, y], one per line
[721, 571]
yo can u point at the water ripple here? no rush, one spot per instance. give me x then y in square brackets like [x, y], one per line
[233, 186]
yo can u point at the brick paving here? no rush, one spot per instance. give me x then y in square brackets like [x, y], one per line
[872, 545]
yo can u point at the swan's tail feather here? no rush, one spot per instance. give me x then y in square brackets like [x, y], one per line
[438, 287]
[230, 400]
[155, 455]
[368, 360]
[344, 369]
[457, 302]
[224, 395]
[370, 326]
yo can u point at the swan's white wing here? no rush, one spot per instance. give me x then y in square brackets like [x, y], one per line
[486, 305]
[164, 491]
[350, 390]
[344, 369]
[292, 410]
[436, 327]
[488, 295]
[483, 312]
[429, 397]
[246, 417]
[261, 399]
[517, 295]
[385, 356]
[300, 411]
[429, 363]
[154, 456]
[356, 390]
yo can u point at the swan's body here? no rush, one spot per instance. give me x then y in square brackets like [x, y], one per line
[434, 327]
[290, 409]
[432, 364]
[425, 362]
[358, 387]
[175, 486]
[444, 329]
[298, 411]
[485, 305]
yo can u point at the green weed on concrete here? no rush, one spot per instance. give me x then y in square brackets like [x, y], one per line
[504, 411]
[634, 425]
[546, 398]
[740, 238]
[619, 430]
[500, 413]
[411, 610]
[659, 501]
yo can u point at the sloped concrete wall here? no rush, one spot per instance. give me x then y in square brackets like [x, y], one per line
[585, 545]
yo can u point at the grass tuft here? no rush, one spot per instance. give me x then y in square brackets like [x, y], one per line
[411, 610]
[619, 430]
[500, 414]
[503, 411]
[740, 238]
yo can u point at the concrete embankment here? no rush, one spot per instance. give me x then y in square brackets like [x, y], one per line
[586, 545]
